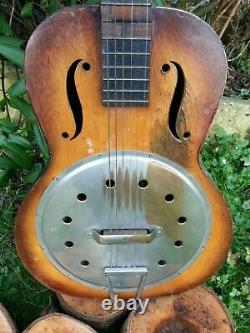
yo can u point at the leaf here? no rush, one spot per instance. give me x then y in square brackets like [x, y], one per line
[18, 155]
[93, 2]
[34, 174]
[159, 3]
[17, 89]
[11, 41]
[24, 107]
[53, 6]
[19, 140]
[2, 139]
[6, 126]
[42, 144]
[3, 102]
[27, 10]
[7, 164]
[71, 2]
[4, 179]
[4, 27]
[13, 54]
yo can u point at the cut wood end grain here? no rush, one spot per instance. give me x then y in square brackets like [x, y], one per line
[195, 311]
[90, 311]
[58, 323]
[6, 323]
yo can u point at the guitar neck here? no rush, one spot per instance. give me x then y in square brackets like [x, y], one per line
[126, 44]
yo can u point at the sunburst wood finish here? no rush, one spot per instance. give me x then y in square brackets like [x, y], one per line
[179, 37]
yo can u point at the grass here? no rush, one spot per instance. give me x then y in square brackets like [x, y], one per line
[24, 298]
[227, 158]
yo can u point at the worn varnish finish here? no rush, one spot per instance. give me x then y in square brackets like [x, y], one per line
[177, 37]
[198, 310]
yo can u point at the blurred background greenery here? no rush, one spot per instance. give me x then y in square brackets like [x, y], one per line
[24, 153]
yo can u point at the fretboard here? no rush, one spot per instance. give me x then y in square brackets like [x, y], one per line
[126, 44]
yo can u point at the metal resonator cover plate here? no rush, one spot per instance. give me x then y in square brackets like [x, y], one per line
[113, 196]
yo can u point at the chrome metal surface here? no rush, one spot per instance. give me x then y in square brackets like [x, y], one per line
[125, 276]
[121, 236]
[142, 192]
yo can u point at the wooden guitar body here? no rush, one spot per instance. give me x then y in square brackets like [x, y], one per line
[64, 81]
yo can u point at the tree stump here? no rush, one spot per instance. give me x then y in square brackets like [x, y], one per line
[90, 311]
[58, 323]
[195, 311]
[6, 323]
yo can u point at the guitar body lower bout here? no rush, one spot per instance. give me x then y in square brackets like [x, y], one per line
[64, 80]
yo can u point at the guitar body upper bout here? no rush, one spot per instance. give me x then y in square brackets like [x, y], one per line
[63, 70]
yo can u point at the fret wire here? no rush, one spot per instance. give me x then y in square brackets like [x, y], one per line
[122, 55]
[129, 38]
[127, 4]
[146, 48]
[126, 67]
[131, 41]
[125, 79]
[124, 101]
[124, 90]
[126, 53]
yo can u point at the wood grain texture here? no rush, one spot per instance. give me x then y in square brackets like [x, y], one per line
[90, 311]
[6, 323]
[57, 322]
[198, 310]
[177, 36]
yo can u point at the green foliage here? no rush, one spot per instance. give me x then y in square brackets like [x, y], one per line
[27, 10]
[18, 148]
[4, 27]
[12, 53]
[245, 64]
[17, 88]
[24, 297]
[227, 158]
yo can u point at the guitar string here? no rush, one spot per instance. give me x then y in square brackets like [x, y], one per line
[109, 121]
[136, 42]
[146, 51]
[146, 88]
[123, 206]
[131, 85]
[116, 137]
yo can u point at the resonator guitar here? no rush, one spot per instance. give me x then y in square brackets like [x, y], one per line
[125, 93]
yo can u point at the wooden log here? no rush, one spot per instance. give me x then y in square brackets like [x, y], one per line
[57, 322]
[90, 311]
[6, 323]
[195, 311]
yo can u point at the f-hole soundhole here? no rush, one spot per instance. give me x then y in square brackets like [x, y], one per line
[177, 100]
[73, 98]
